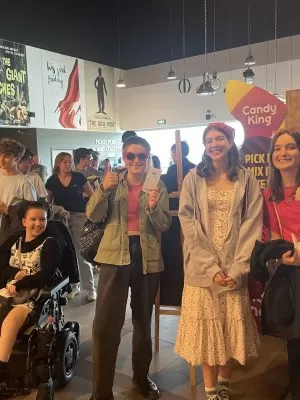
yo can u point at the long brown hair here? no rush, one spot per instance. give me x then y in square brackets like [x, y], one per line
[205, 168]
[275, 179]
[58, 159]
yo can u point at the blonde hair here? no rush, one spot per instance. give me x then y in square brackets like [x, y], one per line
[58, 159]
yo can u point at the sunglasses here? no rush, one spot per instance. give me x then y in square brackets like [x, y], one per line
[132, 156]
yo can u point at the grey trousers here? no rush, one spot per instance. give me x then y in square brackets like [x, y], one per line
[113, 285]
[86, 272]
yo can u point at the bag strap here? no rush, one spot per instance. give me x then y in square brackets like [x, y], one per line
[19, 252]
[245, 201]
[278, 220]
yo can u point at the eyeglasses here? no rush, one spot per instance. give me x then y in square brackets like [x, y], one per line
[132, 156]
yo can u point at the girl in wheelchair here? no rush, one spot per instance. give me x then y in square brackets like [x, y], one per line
[26, 265]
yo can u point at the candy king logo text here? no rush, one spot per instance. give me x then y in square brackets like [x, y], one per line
[260, 115]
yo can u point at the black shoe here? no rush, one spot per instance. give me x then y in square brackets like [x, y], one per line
[147, 387]
[3, 391]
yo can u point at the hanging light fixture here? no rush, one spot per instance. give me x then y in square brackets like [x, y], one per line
[121, 83]
[248, 75]
[230, 41]
[215, 80]
[276, 94]
[205, 88]
[171, 74]
[250, 60]
[184, 85]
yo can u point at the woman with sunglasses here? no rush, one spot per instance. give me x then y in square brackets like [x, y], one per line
[282, 199]
[130, 255]
[220, 212]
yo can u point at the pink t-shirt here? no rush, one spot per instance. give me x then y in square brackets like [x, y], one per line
[133, 208]
[288, 212]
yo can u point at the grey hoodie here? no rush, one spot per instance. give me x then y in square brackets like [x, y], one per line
[201, 262]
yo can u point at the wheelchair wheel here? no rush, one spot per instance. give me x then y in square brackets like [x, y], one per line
[66, 358]
[45, 392]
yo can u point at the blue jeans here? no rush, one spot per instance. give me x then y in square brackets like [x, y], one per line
[86, 271]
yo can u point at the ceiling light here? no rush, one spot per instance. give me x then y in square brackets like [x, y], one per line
[171, 75]
[184, 86]
[250, 60]
[249, 75]
[120, 83]
[215, 81]
[205, 89]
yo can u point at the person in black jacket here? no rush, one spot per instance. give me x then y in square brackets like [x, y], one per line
[170, 178]
[30, 264]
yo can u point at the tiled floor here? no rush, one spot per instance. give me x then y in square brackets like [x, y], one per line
[263, 379]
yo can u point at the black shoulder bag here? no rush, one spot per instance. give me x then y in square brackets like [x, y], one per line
[92, 233]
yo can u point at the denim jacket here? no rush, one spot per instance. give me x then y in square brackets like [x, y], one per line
[114, 246]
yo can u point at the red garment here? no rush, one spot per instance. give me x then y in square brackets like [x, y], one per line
[133, 208]
[289, 215]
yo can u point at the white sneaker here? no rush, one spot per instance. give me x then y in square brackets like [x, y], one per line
[213, 396]
[75, 291]
[92, 295]
[224, 392]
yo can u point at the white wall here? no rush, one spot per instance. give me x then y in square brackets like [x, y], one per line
[141, 107]
[35, 86]
[148, 97]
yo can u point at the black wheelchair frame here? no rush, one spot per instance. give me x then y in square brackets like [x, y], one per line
[48, 357]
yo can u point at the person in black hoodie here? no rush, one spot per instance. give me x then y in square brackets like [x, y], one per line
[29, 264]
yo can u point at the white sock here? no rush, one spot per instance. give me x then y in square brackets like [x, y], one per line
[223, 381]
[211, 390]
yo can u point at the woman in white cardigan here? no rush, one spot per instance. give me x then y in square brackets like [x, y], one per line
[221, 217]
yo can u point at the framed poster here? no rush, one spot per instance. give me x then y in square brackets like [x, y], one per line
[14, 96]
[99, 97]
[61, 91]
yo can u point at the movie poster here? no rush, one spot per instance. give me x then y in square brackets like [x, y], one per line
[14, 96]
[61, 91]
[99, 97]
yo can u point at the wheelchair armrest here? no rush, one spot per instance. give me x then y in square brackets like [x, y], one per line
[58, 285]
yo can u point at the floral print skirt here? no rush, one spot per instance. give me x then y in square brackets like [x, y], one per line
[214, 328]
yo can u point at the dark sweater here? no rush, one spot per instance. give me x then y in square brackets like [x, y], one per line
[50, 259]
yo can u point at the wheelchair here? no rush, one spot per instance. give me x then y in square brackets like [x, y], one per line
[45, 353]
